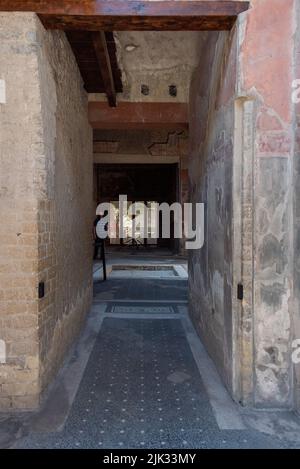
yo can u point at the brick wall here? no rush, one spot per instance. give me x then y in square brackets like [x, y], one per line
[21, 153]
[66, 213]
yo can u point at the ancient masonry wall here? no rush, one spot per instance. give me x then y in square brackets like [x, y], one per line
[296, 167]
[266, 57]
[46, 207]
[241, 167]
[210, 174]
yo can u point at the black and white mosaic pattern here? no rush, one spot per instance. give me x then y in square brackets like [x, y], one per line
[142, 389]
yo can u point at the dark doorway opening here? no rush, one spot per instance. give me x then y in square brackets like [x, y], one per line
[146, 183]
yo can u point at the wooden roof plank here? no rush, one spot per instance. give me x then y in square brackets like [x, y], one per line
[103, 58]
[85, 54]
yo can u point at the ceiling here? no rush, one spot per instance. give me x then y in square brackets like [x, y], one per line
[89, 25]
[153, 61]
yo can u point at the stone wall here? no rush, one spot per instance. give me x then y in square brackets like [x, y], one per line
[296, 305]
[21, 156]
[66, 211]
[241, 167]
[265, 76]
[45, 203]
[210, 172]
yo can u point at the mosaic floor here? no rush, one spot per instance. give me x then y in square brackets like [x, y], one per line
[138, 377]
[141, 387]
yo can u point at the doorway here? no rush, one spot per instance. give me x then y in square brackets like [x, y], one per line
[148, 184]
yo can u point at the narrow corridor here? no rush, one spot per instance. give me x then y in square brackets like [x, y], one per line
[142, 384]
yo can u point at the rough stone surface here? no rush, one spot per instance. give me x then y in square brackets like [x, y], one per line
[46, 187]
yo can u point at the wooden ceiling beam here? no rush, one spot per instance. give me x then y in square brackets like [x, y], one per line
[143, 115]
[122, 15]
[103, 58]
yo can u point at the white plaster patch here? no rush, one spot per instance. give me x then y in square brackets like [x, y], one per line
[2, 352]
[218, 291]
[2, 92]
[268, 386]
